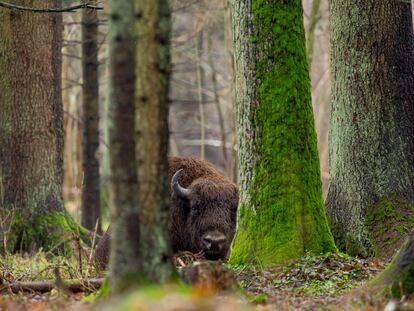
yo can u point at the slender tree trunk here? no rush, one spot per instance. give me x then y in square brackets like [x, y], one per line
[228, 38]
[152, 101]
[281, 213]
[31, 128]
[125, 225]
[200, 93]
[91, 181]
[220, 115]
[313, 22]
[371, 200]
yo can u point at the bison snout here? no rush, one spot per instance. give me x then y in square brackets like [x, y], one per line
[213, 242]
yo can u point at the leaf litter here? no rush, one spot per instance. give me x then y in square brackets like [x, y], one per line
[310, 283]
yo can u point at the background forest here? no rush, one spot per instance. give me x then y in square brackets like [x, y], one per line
[201, 47]
[305, 108]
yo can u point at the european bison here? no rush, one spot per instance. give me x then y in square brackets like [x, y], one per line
[203, 210]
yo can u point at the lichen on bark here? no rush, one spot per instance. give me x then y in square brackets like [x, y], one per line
[281, 212]
[125, 225]
[153, 69]
[372, 121]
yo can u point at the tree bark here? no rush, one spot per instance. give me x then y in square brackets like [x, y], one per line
[152, 101]
[399, 275]
[370, 200]
[31, 129]
[90, 91]
[125, 224]
[281, 214]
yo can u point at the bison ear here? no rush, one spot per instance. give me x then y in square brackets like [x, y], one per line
[177, 189]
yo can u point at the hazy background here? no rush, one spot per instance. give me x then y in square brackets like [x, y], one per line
[202, 108]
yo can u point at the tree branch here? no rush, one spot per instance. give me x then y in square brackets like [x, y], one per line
[87, 5]
[73, 286]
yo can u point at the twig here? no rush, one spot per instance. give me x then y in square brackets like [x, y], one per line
[91, 254]
[79, 249]
[87, 5]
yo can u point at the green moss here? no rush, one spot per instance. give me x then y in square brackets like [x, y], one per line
[50, 231]
[398, 279]
[286, 187]
[389, 221]
[104, 290]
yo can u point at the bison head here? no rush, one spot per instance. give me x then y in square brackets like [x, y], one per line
[209, 206]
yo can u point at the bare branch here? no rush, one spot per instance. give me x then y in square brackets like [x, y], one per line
[87, 5]
[73, 286]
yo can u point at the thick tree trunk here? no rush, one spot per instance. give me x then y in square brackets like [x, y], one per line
[125, 240]
[281, 209]
[152, 88]
[90, 191]
[370, 199]
[31, 129]
[399, 275]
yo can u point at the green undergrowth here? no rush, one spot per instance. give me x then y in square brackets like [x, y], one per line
[389, 221]
[329, 275]
[46, 266]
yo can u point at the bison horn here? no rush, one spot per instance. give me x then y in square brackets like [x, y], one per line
[177, 189]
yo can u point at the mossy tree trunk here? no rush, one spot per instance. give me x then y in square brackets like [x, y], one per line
[281, 213]
[31, 130]
[151, 136]
[398, 278]
[370, 199]
[125, 225]
[90, 90]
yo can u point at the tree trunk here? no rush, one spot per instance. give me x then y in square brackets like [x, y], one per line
[31, 129]
[151, 136]
[370, 199]
[228, 39]
[125, 225]
[281, 210]
[90, 88]
[399, 275]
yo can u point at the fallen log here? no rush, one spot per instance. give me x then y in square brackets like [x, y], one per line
[74, 286]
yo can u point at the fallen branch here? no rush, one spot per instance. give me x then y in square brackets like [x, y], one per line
[74, 286]
[87, 5]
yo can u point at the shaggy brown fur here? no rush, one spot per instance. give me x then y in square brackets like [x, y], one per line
[211, 207]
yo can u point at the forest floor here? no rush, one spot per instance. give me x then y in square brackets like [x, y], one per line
[328, 282]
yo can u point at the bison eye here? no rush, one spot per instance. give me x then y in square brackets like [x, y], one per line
[195, 210]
